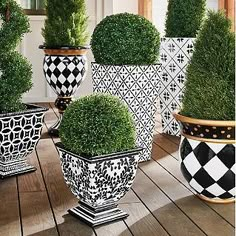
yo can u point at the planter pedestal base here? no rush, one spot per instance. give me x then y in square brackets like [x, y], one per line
[16, 168]
[97, 216]
[220, 201]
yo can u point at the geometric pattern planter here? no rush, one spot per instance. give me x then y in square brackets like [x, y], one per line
[19, 134]
[99, 182]
[207, 155]
[175, 54]
[138, 87]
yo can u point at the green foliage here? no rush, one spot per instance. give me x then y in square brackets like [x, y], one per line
[66, 23]
[15, 71]
[97, 124]
[210, 85]
[184, 17]
[125, 39]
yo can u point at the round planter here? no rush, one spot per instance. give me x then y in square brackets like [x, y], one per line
[137, 86]
[19, 134]
[207, 152]
[99, 182]
[175, 54]
[64, 70]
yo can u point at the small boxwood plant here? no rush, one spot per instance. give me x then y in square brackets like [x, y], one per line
[184, 18]
[97, 124]
[125, 38]
[66, 23]
[15, 70]
[210, 84]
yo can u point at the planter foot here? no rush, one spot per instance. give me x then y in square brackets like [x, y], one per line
[218, 201]
[54, 130]
[95, 217]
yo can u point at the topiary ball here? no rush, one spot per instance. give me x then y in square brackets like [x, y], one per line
[97, 124]
[125, 39]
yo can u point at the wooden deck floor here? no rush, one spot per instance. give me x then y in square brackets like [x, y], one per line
[160, 202]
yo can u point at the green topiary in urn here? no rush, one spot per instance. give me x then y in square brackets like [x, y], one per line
[97, 124]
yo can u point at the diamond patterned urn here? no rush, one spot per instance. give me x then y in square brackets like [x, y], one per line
[138, 87]
[175, 54]
[99, 182]
[64, 69]
[19, 134]
[207, 155]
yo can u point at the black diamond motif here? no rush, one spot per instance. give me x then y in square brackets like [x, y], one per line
[203, 153]
[185, 172]
[66, 73]
[203, 178]
[226, 195]
[227, 155]
[185, 149]
[227, 182]
[207, 194]
[56, 72]
[57, 61]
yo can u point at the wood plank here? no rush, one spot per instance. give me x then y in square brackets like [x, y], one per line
[9, 208]
[167, 213]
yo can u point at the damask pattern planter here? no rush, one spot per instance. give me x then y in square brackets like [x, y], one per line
[19, 134]
[207, 152]
[175, 54]
[138, 87]
[99, 182]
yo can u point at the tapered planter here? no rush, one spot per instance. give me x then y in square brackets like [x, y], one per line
[99, 182]
[19, 134]
[207, 153]
[64, 70]
[175, 54]
[138, 87]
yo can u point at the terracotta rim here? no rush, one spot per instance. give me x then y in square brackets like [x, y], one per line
[67, 52]
[217, 201]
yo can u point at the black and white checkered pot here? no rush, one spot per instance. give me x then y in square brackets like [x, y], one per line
[19, 134]
[138, 87]
[175, 54]
[64, 70]
[207, 153]
[99, 182]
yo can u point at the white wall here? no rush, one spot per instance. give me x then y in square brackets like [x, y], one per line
[160, 8]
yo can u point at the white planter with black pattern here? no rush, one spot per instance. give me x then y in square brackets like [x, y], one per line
[19, 134]
[207, 155]
[175, 54]
[64, 70]
[138, 87]
[99, 182]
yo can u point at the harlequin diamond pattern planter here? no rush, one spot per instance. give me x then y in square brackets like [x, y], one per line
[138, 87]
[175, 54]
[99, 182]
[207, 155]
[19, 134]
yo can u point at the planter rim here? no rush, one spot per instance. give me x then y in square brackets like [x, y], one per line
[65, 47]
[31, 108]
[178, 37]
[105, 157]
[155, 64]
[186, 119]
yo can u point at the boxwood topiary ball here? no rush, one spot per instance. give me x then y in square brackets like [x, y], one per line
[125, 39]
[97, 124]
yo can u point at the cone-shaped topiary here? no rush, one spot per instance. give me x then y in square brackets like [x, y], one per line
[184, 18]
[66, 23]
[97, 124]
[125, 39]
[209, 92]
[15, 71]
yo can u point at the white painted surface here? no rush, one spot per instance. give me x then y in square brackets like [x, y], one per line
[120, 6]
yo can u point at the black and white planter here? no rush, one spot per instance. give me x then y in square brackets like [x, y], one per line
[175, 54]
[64, 70]
[19, 134]
[99, 182]
[207, 153]
[138, 87]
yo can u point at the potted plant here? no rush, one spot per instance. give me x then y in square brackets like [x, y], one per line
[207, 149]
[183, 21]
[65, 62]
[98, 156]
[125, 48]
[20, 124]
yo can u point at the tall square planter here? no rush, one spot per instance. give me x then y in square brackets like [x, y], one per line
[175, 54]
[138, 87]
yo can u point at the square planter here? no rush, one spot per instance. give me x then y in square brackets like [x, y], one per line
[137, 86]
[99, 182]
[19, 134]
[175, 54]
